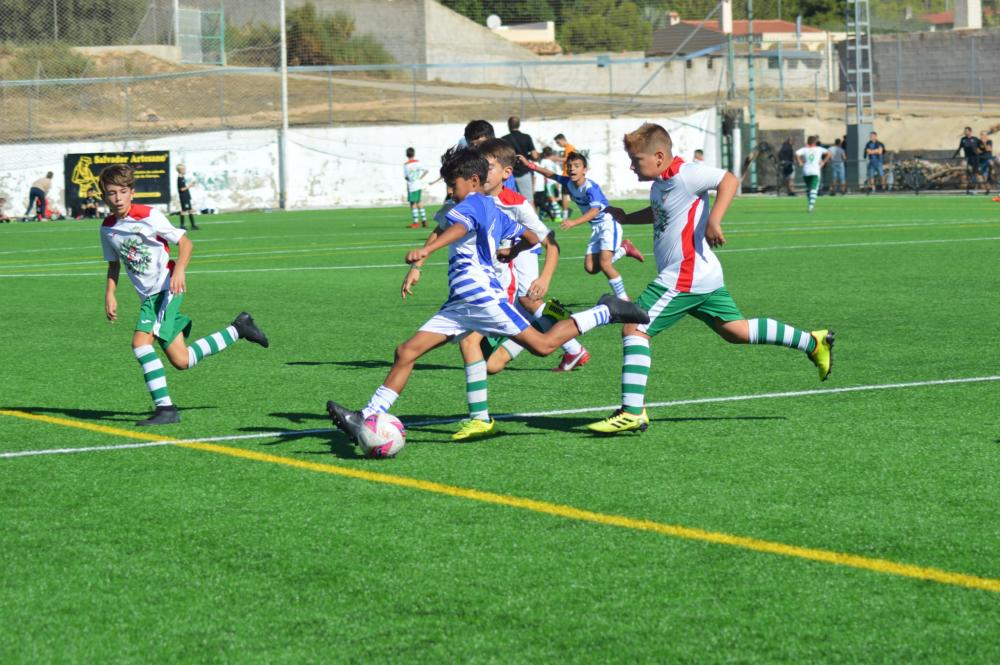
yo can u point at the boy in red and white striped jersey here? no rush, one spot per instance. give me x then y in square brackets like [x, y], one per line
[690, 276]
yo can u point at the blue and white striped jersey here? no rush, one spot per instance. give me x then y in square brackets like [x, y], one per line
[587, 196]
[471, 277]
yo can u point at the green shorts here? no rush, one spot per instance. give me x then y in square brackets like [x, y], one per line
[414, 197]
[812, 182]
[161, 316]
[667, 306]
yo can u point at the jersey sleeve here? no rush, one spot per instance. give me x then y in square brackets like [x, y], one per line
[596, 198]
[700, 178]
[561, 179]
[509, 229]
[461, 214]
[164, 228]
[530, 220]
[801, 152]
[109, 252]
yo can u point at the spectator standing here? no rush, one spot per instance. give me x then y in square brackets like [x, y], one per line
[567, 150]
[875, 154]
[525, 147]
[4, 219]
[972, 147]
[36, 196]
[786, 165]
[184, 194]
[838, 168]
[986, 160]
[699, 155]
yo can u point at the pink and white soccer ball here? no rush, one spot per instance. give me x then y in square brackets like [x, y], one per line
[382, 435]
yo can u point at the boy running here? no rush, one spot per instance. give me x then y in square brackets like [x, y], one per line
[690, 276]
[812, 158]
[606, 242]
[476, 302]
[413, 173]
[137, 236]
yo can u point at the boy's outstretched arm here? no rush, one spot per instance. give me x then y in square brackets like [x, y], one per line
[644, 216]
[535, 167]
[110, 302]
[448, 236]
[413, 274]
[582, 219]
[726, 192]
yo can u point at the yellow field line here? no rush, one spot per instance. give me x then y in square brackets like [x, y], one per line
[567, 512]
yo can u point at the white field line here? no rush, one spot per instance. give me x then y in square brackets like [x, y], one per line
[729, 226]
[512, 416]
[401, 264]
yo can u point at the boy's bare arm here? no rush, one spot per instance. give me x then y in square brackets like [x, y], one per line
[413, 274]
[726, 191]
[535, 167]
[450, 235]
[178, 280]
[110, 302]
[582, 219]
[644, 216]
[540, 286]
[527, 240]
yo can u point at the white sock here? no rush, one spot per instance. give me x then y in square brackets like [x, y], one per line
[620, 252]
[381, 401]
[571, 347]
[513, 348]
[589, 319]
[618, 286]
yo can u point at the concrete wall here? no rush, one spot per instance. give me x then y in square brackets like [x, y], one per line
[347, 166]
[936, 64]
[452, 38]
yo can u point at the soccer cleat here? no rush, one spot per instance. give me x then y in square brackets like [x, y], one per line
[571, 361]
[349, 422]
[414, 225]
[632, 250]
[621, 421]
[623, 311]
[162, 415]
[248, 330]
[822, 355]
[475, 429]
[556, 310]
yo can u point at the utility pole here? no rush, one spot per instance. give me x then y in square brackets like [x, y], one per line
[752, 93]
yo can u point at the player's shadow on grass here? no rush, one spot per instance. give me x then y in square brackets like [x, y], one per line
[367, 364]
[339, 444]
[93, 414]
[562, 423]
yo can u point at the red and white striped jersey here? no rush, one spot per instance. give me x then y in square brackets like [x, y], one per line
[679, 200]
[140, 242]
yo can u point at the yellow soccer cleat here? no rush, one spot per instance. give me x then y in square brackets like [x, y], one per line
[822, 355]
[556, 310]
[621, 421]
[475, 429]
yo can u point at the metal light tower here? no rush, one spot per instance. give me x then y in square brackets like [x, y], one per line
[859, 98]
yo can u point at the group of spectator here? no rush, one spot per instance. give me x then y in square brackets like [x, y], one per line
[530, 184]
[981, 164]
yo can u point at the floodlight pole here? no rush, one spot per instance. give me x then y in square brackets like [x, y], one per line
[752, 94]
[283, 134]
[55, 20]
[177, 24]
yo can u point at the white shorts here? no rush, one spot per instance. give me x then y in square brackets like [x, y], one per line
[457, 319]
[605, 236]
[525, 272]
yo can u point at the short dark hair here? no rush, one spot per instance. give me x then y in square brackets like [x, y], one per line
[577, 157]
[699, 151]
[464, 163]
[49, 174]
[546, 151]
[410, 152]
[479, 129]
[513, 123]
[119, 175]
[559, 137]
[499, 150]
[837, 142]
[968, 129]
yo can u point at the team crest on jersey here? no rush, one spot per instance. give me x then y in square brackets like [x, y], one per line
[135, 255]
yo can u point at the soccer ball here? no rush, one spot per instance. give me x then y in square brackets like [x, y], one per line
[382, 435]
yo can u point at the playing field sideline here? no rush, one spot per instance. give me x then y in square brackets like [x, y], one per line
[763, 517]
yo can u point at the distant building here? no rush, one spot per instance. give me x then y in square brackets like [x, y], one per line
[538, 37]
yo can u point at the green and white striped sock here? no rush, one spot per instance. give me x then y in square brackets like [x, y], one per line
[475, 390]
[154, 374]
[210, 345]
[769, 331]
[414, 215]
[635, 373]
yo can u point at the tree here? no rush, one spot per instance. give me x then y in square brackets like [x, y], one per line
[606, 25]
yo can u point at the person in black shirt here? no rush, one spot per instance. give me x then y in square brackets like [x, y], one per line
[971, 146]
[184, 194]
[786, 165]
[986, 160]
[875, 154]
[88, 210]
[524, 146]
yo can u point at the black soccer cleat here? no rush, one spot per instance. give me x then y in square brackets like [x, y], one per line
[163, 415]
[349, 422]
[623, 311]
[248, 330]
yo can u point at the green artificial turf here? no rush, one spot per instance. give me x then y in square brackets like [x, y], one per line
[170, 554]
